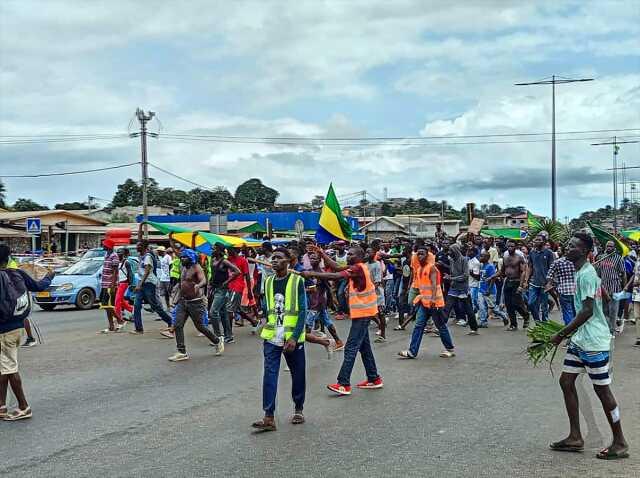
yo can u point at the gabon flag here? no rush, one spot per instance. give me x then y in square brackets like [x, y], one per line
[332, 225]
[603, 237]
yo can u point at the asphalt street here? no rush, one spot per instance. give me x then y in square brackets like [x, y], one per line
[114, 406]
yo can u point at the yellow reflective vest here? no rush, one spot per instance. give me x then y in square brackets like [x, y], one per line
[291, 308]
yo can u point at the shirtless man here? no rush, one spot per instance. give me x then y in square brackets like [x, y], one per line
[514, 270]
[192, 303]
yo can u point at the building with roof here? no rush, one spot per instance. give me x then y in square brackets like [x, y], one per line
[57, 225]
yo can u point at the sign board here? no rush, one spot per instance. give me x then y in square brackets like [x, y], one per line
[476, 225]
[299, 227]
[218, 223]
[34, 226]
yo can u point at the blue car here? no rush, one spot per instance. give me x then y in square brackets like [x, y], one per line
[78, 285]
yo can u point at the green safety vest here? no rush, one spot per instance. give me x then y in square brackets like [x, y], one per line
[291, 309]
[12, 264]
[174, 271]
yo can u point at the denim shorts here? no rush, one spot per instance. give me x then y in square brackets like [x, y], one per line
[321, 315]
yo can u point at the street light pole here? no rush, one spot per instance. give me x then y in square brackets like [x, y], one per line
[144, 119]
[615, 168]
[553, 81]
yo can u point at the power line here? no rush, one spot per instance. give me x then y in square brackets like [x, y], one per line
[61, 140]
[361, 144]
[387, 138]
[181, 178]
[67, 173]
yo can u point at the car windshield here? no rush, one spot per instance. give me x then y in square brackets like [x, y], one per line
[83, 268]
[92, 253]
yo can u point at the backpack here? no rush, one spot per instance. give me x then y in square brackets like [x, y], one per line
[154, 259]
[15, 300]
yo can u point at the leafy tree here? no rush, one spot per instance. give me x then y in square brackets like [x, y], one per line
[71, 206]
[386, 209]
[23, 204]
[317, 202]
[254, 195]
[3, 197]
[128, 193]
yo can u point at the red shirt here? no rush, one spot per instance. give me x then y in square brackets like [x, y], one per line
[238, 284]
[356, 274]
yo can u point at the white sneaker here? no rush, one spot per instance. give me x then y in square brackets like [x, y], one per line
[448, 354]
[220, 346]
[178, 357]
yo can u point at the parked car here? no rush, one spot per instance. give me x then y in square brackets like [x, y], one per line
[99, 252]
[78, 285]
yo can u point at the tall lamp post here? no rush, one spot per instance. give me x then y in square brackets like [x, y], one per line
[553, 82]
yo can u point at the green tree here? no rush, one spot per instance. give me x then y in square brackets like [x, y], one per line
[3, 197]
[254, 195]
[23, 204]
[386, 209]
[128, 193]
[71, 206]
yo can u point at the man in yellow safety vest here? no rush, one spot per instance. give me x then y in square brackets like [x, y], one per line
[285, 309]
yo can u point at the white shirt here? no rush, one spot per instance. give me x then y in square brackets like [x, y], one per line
[164, 267]
[474, 266]
[148, 261]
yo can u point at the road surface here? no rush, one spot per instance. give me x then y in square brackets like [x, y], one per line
[114, 406]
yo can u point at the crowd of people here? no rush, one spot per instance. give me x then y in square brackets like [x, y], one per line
[291, 294]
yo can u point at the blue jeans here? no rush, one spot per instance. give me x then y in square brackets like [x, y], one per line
[568, 308]
[341, 294]
[148, 293]
[296, 362]
[418, 331]
[486, 303]
[217, 312]
[538, 302]
[389, 297]
[473, 293]
[358, 341]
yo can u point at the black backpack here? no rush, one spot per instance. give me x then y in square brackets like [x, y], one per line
[15, 300]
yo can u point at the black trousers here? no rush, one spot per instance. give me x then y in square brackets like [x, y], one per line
[514, 302]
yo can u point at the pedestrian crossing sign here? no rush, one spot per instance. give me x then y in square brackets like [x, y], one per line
[33, 226]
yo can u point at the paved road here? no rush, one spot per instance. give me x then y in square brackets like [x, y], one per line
[114, 406]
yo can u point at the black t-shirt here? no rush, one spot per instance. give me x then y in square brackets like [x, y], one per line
[219, 274]
[443, 263]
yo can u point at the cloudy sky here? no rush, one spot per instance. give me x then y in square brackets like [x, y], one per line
[313, 69]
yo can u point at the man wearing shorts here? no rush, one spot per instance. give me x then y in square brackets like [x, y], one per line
[11, 327]
[588, 352]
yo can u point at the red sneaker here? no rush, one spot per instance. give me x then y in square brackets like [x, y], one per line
[366, 384]
[340, 389]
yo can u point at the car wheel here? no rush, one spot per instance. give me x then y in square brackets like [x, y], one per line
[85, 299]
[47, 307]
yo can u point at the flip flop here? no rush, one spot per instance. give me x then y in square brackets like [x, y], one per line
[606, 454]
[398, 327]
[406, 354]
[562, 446]
[297, 419]
[262, 426]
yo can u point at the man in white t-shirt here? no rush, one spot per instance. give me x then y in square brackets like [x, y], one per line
[146, 290]
[474, 276]
[164, 267]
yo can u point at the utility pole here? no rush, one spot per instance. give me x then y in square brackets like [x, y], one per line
[144, 119]
[615, 169]
[553, 81]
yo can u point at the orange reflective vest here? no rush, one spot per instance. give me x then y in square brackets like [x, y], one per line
[415, 265]
[363, 303]
[422, 282]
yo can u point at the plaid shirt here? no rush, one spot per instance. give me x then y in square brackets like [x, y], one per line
[563, 275]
